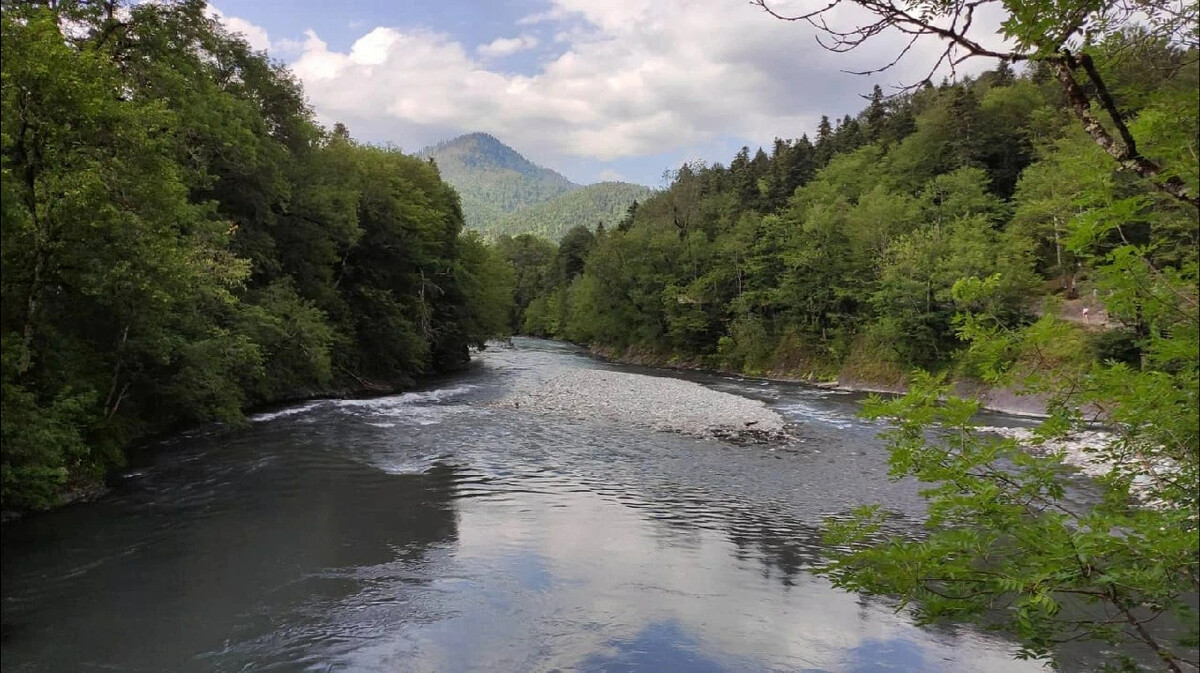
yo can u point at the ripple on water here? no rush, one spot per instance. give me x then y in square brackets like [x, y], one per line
[806, 411]
[419, 397]
[427, 532]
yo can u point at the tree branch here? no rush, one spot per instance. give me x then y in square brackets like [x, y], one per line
[1124, 152]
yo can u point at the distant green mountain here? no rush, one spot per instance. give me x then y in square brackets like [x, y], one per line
[502, 192]
[493, 179]
[602, 202]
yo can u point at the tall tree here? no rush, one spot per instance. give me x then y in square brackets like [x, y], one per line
[1041, 33]
[181, 240]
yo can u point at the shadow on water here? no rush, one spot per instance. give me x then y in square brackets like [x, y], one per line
[226, 541]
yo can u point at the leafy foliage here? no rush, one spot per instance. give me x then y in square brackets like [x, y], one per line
[181, 240]
[603, 203]
[822, 255]
[957, 230]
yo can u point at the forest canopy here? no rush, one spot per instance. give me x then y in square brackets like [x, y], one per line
[843, 254]
[181, 241]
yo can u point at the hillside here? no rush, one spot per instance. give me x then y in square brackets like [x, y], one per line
[493, 179]
[602, 202]
[502, 192]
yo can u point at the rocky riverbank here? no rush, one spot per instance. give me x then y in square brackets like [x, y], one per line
[1001, 400]
[1085, 451]
[658, 403]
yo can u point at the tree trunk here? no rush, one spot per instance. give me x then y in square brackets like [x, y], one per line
[1124, 151]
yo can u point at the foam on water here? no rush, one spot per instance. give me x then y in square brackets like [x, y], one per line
[393, 401]
[432, 415]
[418, 464]
[422, 408]
[414, 404]
[290, 411]
[806, 412]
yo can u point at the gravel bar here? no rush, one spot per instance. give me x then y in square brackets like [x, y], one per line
[659, 403]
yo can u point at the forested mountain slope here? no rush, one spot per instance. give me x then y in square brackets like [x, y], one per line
[602, 203]
[503, 193]
[493, 179]
[181, 240]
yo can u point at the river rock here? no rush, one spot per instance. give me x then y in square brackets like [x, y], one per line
[659, 403]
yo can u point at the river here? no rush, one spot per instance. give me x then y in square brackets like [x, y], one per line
[434, 531]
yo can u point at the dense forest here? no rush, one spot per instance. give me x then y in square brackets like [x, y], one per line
[493, 179]
[181, 241]
[602, 203]
[844, 254]
[503, 193]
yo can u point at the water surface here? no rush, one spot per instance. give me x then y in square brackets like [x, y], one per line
[431, 531]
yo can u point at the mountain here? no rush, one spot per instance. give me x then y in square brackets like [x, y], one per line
[602, 202]
[492, 178]
[502, 192]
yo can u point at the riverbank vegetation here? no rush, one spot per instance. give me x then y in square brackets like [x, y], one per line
[841, 254]
[181, 240]
[977, 230]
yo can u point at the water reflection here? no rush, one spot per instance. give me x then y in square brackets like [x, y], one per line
[430, 532]
[659, 646]
[596, 587]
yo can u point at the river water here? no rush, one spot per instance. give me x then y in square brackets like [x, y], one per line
[431, 531]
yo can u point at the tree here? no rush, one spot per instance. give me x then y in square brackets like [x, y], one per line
[532, 260]
[572, 251]
[824, 147]
[180, 240]
[107, 270]
[1046, 204]
[1002, 544]
[1060, 36]
[1005, 547]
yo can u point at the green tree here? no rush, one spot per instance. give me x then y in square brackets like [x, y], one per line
[180, 240]
[1041, 33]
[1004, 544]
[107, 268]
[532, 261]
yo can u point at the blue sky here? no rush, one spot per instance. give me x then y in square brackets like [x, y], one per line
[596, 89]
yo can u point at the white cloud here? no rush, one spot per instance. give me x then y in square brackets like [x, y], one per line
[555, 13]
[634, 77]
[255, 36]
[505, 46]
[287, 48]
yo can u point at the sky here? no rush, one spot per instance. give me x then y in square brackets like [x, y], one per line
[595, 89]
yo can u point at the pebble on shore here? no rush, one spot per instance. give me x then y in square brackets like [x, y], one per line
[1080, 450]
[659, 403]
